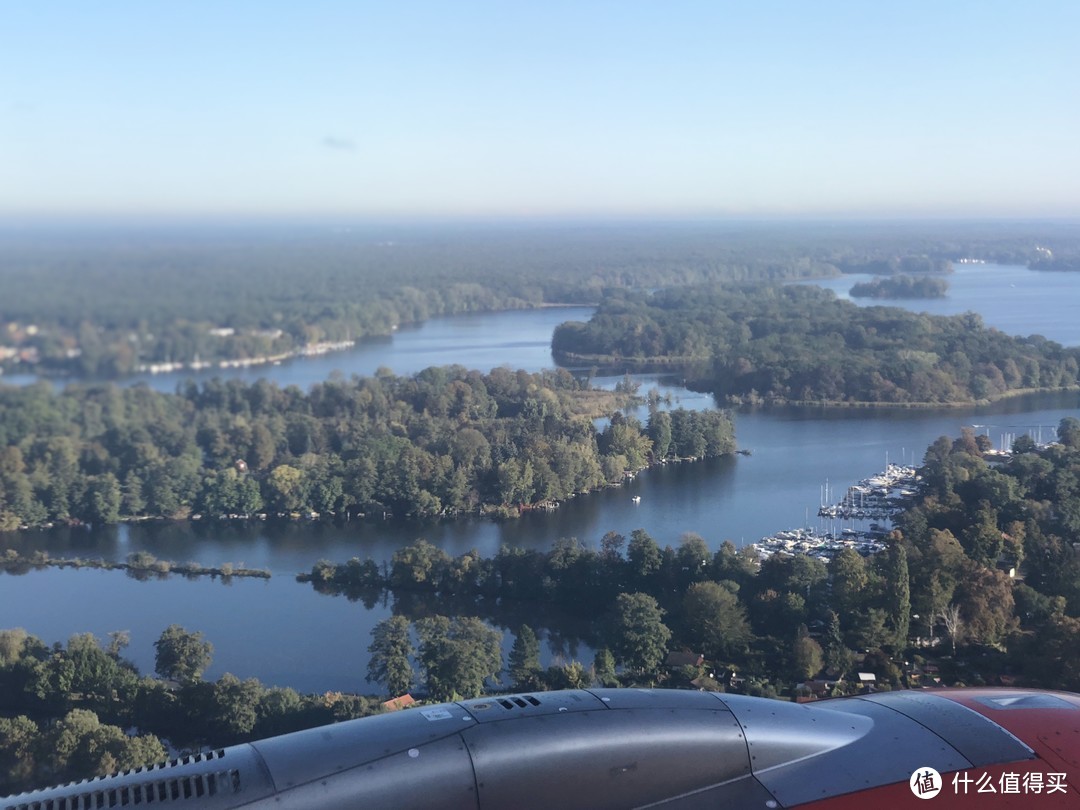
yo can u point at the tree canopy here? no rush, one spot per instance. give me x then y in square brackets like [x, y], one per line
[800, 343]
[109, 302]
[182, 655]
[446, 441]
[901, 287]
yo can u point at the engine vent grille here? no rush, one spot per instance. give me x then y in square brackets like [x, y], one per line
[187, 759]
[161, 791]
[518, 701]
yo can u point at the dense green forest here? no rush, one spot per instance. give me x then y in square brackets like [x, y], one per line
[105, 301]
[451, 441]
[979, 584]
[443, 442]
[982, 574]
[901, 287]
[799, 343]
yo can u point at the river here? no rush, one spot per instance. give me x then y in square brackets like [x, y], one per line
[286, 634]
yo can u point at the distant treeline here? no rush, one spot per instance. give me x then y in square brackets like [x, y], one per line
[799, 343]
[1069, 264]
[894, 265]
[901, 287]
[443, 442]
[106, 302]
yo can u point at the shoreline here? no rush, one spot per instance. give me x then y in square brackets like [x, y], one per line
[317, 349]
[491, 512]
[975, 403]
[739, 401]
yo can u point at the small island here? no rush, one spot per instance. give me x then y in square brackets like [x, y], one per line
[901, 287]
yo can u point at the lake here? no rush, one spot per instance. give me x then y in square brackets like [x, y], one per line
[286, 634]
[521, 338]
[1011, 298]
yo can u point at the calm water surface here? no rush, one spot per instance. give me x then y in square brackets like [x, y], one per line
[520, 338]
[285, 633]
[1009, 297]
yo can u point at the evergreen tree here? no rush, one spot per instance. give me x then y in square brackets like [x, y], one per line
[525, 660]
[898, 594]
[659, 431]
[838, 658]
[644, 556]
[604, 668]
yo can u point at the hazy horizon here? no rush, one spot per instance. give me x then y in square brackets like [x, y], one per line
[575, 112]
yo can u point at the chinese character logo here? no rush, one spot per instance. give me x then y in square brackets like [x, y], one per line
[925, 783]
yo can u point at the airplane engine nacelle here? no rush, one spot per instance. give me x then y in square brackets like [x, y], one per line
[615, 748]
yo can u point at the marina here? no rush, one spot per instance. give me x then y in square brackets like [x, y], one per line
[821, 545]
[876, 498]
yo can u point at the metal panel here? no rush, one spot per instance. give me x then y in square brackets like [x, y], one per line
[304, 756]
[658, 699]
[745, 792]
[778, 733]
[604, 759]
[435, 776]
[980, 740]
[888, 751]
[505, 707]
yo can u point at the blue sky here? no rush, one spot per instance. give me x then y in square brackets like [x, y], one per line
[520, 109]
